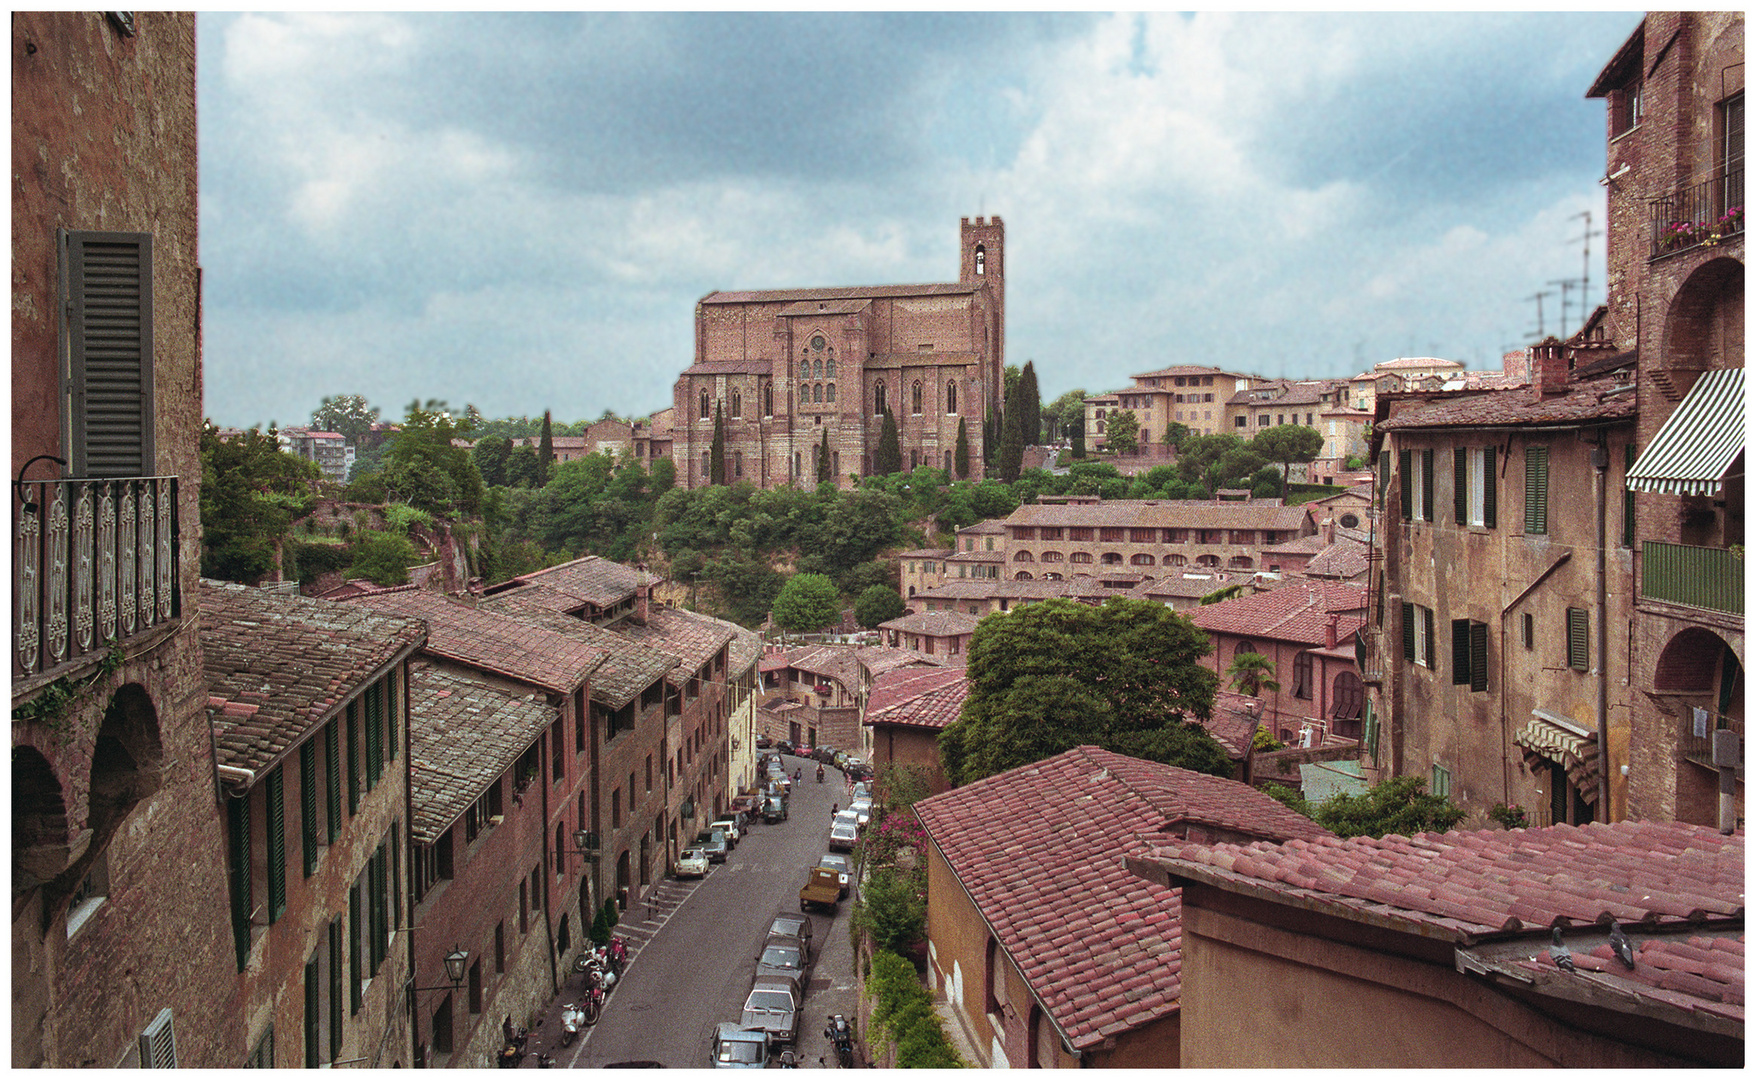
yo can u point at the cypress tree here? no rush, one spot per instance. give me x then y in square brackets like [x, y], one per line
[961, 458]
[716, 455]
[1031, 406]
[823, 473]
[888, 457]
[1078, 433]
[990, 437]
[1012, 438]
[545, 450]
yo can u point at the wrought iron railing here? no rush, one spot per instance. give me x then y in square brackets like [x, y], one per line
[1696, 737]
[1699, 215]
[94, 561]
[1711, 578]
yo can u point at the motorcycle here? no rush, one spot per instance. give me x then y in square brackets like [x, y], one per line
[513, 1052]
[618, 954]
[789, 1060]
[842, 1037]
[820, 774]
[572, 1019]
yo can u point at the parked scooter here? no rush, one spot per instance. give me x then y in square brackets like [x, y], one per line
[841, 1036]
[572, 1019]
[618, 953]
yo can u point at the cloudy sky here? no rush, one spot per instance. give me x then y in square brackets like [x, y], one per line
[520, 211]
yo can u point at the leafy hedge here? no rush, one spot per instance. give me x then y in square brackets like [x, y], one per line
[903, 1014]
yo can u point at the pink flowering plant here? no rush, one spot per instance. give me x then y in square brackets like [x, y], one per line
[1685, 234]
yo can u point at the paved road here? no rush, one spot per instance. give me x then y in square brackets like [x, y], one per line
[696, 951]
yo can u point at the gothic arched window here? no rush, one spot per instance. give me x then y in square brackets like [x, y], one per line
[737, 405]
[804, 369]
[951, 397]
[817, 369]
[817, 393]
[981, 260]
[768, 399]
[915, 398]
[829, 366]
[830, 394]
[878, 400]
[704, 406]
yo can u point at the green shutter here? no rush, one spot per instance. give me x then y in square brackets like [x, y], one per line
[1406, 476]
[353, 758]
[312, 1005]
[1578, 639]
[374, 734]
[1627, 499]
[1371, 731]
[1427, 507]
[1478, 656]
[1460, 670]
[1408, 631]
[335, 980]
[1488, 494]
[238, 820]
[355, 972]
[1427, 613]
[1460, 484]
[1536, 490]
[332, 782]
[396, 875]
[308, 804]
[392, 715]
[277, 844]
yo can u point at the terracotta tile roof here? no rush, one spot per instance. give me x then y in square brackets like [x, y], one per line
[836, 662]
[526, 598]
[599, 581]
[984, 527]
[1298, 612]
[917, 697]
[1304, 545]
[1163, 513]
[491, 641]
[1406, 363]
[629, 666]
[875, 660]
[277, 665]
[1697, 974]
[464, 733]
[1180, 587]
[1467, 887]
[927, 553]
[1040, 851]
[1234, 722]
[1343, 560]
[977, 557]
[1186, 369]
[1581, 401]
[933, 623]
[755, 296]
[693, 639]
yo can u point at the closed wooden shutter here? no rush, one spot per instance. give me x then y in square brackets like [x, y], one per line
[238, 843]
[1478, 656]
[275, 791]
[106, 293]
[1408, 631]
[1460, 484]
[1403, 464]
[1427, 506]
[1459, 651]
[1427, 614]
[1536, 490]
[353, 734]
[1489, 508]
[336, 976]
[308, 804]
[313, 1011]
[356, 970]
[332, 782]
[1578, 639]
[374, 734]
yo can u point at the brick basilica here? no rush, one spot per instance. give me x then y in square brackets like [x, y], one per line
[788, 365]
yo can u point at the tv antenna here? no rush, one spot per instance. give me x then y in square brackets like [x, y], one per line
[1585, 276]
[1567, 285]
[1538, 297]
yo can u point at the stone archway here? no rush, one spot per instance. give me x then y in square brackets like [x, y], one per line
[125, 762]
[1704, 325]
[40, 847]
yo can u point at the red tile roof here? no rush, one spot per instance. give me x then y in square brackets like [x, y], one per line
[836, 662]
[1234, 722]
[754, 296]
[278, 664]
[1163, 513]
[917, 697]
[599, 581]
[1298, 612]
[629, 666]
[1344, 560]
[1040, 848]
[464, 733]
[693, 639]
[933, 623]
[875, 660]
[490, 641]
[1587, 400]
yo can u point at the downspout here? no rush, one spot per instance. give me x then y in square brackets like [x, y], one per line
[548, 903]
[1600, 463]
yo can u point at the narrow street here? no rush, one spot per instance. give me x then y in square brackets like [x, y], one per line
[695, 947]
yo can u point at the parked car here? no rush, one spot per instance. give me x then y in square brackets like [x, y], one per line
[863, 790]
[714, 842]
[789, 924]
[822, 888]
[783, 746]
[838, 863]
[692, 863]
[840, 758]
[773, 1008]
[763, 742]
[730, 827]
[862, 811]
[843, 834]
[774, 808]
[783, 958]
[736, 1048]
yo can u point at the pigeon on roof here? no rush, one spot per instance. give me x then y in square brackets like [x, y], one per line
[1619, 943]
[1559, 953]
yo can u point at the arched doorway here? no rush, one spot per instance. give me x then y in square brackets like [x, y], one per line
[624, 879]
[1700, 675]
[39, 821]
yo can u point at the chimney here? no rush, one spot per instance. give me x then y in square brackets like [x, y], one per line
[642, 595]
[1548, 368]
[1329, 629]
[1329, 530]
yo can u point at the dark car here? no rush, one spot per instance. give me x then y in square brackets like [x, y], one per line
[784, 746]
[763, 742]
[773, 1006]
[774, 808]
[783, 958]
[715, 843]
[794, 925]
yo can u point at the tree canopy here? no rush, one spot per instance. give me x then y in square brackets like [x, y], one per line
[1122, 432]
[1065, 413]
[878, 604]
[251, 490]
[1058, 674]
[422, 468]
[887, 456]
[1401, 805]
[347, 415]
[1286, 444]
[806, 602]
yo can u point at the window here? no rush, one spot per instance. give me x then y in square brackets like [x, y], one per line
[703, 411]
[1347, 697]
[1417, 484]
[500, 947]
[262, 1057]
[1536, 490]
[442, 1026]
[1529, 622]
[829, 393]
[558, 751]
[1474, 486]
[1262, 421]
[1241, 421]
[1578, 639]
[158, 1043]
[616, 809]
[738, 464]
[996, 988]
[1469, 654]
[1417, 634]
[274, 796]
[107, 395]
[1302, 676]
[915, 398]
[879, 401]
[951, 397]
[767, 399]
[1441, 785]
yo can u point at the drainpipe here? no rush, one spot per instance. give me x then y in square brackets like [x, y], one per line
[1600, 463]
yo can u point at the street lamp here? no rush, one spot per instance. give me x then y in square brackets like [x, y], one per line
[585, 845]
[455, 963]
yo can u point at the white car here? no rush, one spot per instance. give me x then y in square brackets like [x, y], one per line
[843, 835]
[838, 863]
[731, 830]
[862, 811]
[692, 863]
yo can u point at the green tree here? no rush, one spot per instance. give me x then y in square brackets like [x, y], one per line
[990, 439]
[523, 468]
[878, 604]
[806, 602]
[382, 558]
[491, 453]
[546, 449]
[716, 455]
[1123, 432]
[1251, 673]
[1400, 805]
[887, 458]
[1030, 399]
[1077, 433]
[1177, 433]
[1012, 435]
[347, 415]
[960, 459]
[423, 468]
[1065, 413]
[747, 587]
[1286, 444]
[824, 475]
[1216, 461]
[664, 476]
[251, 491]
[1054, 675]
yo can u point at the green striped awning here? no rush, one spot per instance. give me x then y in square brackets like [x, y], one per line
[1696, 447]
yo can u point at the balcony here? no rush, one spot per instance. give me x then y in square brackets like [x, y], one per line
[1710, 578]
[94, 561]
[1696, 736]
[1700, 215]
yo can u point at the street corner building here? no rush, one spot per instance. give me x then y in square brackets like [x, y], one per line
[790, 372]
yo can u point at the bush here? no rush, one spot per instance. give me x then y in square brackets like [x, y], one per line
[399, 517]
[903, 1014]
[312, 559]
[382, 558]
[1509, 817]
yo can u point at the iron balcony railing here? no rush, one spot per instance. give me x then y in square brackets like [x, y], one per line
[1699, 215]
[1696, 738]
[94, 561]
[1711, 578]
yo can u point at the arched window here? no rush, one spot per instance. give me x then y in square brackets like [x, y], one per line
[797, 460]
[1142, 560]
[829, 366]
[1022, 575]
[1242, 647]
[914, 460]
[878, 400]
[1111, 558]
[1302, 676]
[1100, 416]
[704, 406]
[804, 369]
[817, 369]
[981, 260]
[1023, 556]
[1051, 556]
[1348, 696]
[817, 394]
[1207, 560]
[738, 464]
[915, 398]
[951, 397]
[1083, 557]
[829, 393]
[768, 399]
[707, 464]
[1241, 562]
[1176, 560]
[737, 405]
[948, 461]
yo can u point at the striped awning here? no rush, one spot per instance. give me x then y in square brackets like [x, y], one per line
[1695, 448]
[1553, 738]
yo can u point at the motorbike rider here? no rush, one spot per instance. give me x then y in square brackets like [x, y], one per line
[820, 774]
